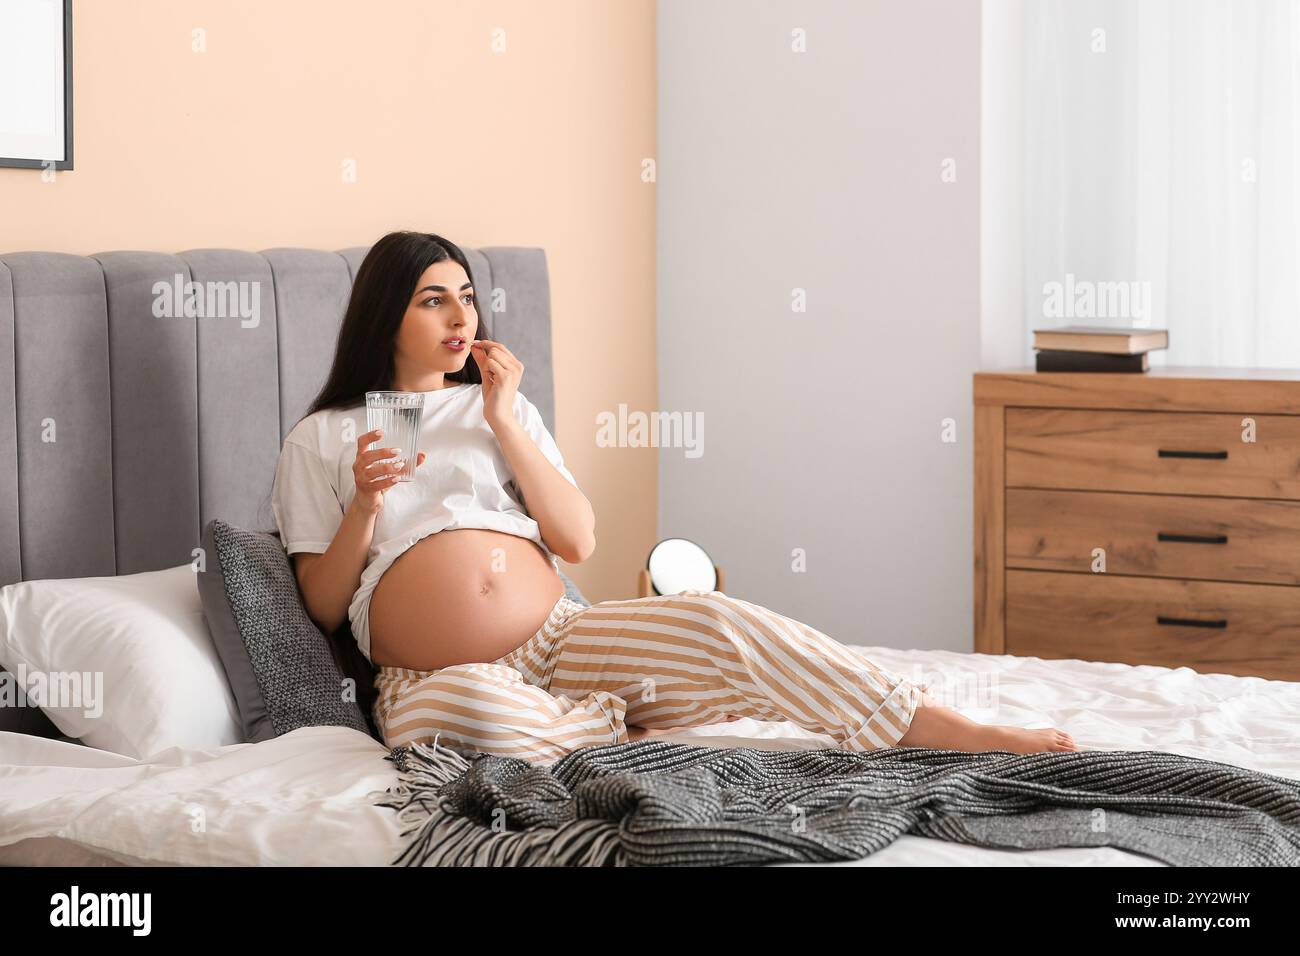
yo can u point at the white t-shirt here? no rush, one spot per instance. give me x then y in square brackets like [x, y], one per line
[465, 482]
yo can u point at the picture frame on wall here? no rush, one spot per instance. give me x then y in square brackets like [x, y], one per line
[36, 73]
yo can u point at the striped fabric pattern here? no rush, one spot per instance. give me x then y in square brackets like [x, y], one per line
[655, 803]
[655, 662]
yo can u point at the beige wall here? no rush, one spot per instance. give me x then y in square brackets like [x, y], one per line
[242, 146]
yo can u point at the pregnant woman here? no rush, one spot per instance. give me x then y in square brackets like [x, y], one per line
[451, 582]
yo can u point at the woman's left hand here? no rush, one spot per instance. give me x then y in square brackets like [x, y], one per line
[501, 373]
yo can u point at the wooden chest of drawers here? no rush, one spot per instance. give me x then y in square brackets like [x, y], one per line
[1146, 519]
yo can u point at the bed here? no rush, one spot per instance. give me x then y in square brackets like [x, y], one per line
[307, 798]
[79, 343]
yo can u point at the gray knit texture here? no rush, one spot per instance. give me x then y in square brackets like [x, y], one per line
[656, 803]
[300, 683]
[572, 592]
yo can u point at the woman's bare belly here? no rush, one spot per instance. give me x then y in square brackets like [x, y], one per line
[464, 596]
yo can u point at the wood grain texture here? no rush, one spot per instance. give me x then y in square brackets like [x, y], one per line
[1122, 451]
[990, 526]
[1248, 391]
[1231, 539]
[1105, 617]
[1069, 462]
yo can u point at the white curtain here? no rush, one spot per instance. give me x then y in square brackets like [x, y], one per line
[1162, 149]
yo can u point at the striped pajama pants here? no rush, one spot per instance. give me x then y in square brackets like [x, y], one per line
[675, 660]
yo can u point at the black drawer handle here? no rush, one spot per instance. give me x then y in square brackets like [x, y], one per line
[1211, 455]
[1188, 622]
[1193, 538]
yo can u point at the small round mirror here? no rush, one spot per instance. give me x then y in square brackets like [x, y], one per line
[678, 565]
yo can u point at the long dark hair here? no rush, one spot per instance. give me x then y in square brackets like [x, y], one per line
[363, 358]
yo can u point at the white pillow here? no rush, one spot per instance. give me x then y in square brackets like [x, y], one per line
[125, 663]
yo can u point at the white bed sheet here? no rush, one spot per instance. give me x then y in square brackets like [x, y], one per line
[305, 798]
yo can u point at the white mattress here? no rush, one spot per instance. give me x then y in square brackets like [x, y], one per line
[304, 798]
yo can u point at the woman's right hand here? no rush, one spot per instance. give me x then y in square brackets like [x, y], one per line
[373, 477]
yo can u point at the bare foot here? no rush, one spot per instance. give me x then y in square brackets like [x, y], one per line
[1021, 741]
[940, 728]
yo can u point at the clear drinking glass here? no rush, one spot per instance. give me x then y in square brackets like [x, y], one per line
[398, 414]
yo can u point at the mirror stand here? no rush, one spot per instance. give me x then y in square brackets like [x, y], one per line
[646, 589]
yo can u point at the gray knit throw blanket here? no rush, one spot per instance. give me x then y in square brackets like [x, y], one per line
[655, 803]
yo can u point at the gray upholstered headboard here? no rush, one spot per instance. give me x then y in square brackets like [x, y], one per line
[159, 424]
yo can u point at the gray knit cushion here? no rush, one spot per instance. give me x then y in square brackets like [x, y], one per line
[571, 590]
[282, 669]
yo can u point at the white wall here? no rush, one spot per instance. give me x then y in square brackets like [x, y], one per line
[821, 171]
[1005, 333]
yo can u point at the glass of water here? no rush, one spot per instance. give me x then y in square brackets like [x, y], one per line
[398, 414]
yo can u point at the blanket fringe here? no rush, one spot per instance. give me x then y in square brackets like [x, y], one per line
[655, 803]
[434, 837]
[424, 769]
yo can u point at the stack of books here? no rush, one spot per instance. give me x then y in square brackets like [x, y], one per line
[1086, 348]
